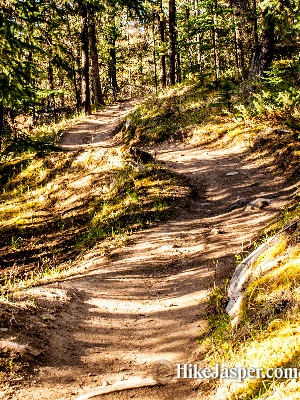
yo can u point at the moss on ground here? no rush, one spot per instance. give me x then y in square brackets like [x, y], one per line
[268, 334]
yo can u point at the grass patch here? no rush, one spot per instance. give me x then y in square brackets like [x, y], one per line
[175, 115]
[42, 139]
[56, 206]
[202, 116]
[135, 200]
[268, 334]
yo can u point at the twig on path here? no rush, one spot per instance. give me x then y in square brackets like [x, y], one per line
[131, 383]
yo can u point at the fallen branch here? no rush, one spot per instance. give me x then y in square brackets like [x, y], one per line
[131, 383]
[244, 272]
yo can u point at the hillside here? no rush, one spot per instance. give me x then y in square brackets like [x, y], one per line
[113, 243]
[149, 199]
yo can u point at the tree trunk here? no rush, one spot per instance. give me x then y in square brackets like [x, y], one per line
[163, 77]
[154, 52]
[178, 69]
[238, 42]
[85, 94]
[236, 34]
[113, 61]
[264, 52]
[255, 25]
[198, 41]
[76, 87]
[215, 42]
[172, 42]
[97, 90]
[1, 124]
[76, 76]
[113, 69]
[51, 104]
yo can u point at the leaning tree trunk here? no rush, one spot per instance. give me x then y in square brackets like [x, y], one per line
[97, 90]
[264, 52]
[85, 94]
[172, 42]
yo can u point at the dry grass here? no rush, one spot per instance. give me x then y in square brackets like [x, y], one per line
[55, 206]
[200, 116]
[268, 334]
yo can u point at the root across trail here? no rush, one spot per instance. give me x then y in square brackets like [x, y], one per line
[146, 301]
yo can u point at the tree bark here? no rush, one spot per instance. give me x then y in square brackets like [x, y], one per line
[172, 43]
[154, 52]
[198, 41]
[97, 89]
[1, 123]
[131, 383]
[264, 52]
[76, 77]
[163, 77]
[255, 25]
[52, 104]
[113, 69]
[85, 94]
[238, 42]
[215, 42]
[113, 61]
[178, 69]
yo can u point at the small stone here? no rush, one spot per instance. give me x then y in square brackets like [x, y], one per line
[238, 204]
[258, 204]
[48, 317]
[33, 352]
[127, 123]
[214, 231]
[140, 168]
[232, 173]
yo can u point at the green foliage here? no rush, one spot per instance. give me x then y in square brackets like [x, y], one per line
[267, 335]
[133, 202]
[155, 124]
[277, 96]
[218, 319]
[116, 198]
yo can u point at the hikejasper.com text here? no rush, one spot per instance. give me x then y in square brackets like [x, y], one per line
[192, 371]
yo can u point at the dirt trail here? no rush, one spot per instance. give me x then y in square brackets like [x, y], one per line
[146, 302]
[97, 130]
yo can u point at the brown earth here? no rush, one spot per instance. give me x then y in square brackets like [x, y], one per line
[146, 301]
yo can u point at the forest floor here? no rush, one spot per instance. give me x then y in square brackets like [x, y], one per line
[146, 301]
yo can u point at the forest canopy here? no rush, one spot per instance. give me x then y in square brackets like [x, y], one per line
[59, 57]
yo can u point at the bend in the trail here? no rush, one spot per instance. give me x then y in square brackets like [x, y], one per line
[97, 130]
[147, 301]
